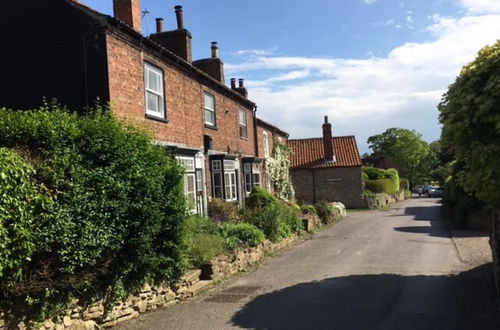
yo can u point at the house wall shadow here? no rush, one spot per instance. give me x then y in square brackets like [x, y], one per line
[384, 301]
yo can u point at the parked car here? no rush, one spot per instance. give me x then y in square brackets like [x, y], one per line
[436, 192]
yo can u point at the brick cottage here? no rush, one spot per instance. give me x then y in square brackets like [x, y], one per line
[65, 50]
[327, 169]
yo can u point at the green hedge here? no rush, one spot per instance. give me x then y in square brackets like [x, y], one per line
[404, 184]
[117, 214]
[239, 235]
[259, 198]
[381, 186]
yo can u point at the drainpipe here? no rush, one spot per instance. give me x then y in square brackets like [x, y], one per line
[314, 186]
[255, 132]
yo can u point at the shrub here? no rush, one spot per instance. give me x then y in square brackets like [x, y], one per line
[118, 211]
[381, 186]
[404, 184]
[340, 208]
[277, 220]
[394, 176]
[203, 241]
[241, 235]
[259, 198]
[222, 211]
[21, 200]
[307, 209]
[325, 212]
[374, 173]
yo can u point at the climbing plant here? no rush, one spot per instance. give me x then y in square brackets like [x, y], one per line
[278, 169]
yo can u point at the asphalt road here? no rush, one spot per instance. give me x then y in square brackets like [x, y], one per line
[395, 269]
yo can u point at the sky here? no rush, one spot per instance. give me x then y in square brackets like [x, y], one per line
[367, 64]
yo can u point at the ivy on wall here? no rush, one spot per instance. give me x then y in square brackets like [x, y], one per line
[278, 169]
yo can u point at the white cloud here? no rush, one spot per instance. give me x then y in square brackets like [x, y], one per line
[256, 52]
[369, 2]
[481, 6]
[365, 96]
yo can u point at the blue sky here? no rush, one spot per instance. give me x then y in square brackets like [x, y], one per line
[367, 64]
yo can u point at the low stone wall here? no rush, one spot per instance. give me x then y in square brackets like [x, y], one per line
[153, 297]
[382, 199]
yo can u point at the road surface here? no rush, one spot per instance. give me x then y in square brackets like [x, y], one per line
[394, 269]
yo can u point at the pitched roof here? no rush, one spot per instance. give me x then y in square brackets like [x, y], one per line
[261, 122]
[309, 153]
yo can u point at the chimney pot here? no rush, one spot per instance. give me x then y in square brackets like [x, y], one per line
[233, 83]
[180, 17]
[327, 141]
[326, 119]
[215, 49]
[241, 83]
[159, 25]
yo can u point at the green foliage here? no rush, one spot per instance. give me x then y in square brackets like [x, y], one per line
[203, 241]
[374, 173]
[404, 184]
[308, 209]
[406, 147]
[381, 186]
[394, 176]
[459, 202]
[21, 200]
[278, 169]
[471, 124]
[118, 207]
[277, 220]
[259, 198]
[326, 212]
[241, 235]
[221, 211]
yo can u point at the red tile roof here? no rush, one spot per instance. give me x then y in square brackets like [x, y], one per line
[309, 153]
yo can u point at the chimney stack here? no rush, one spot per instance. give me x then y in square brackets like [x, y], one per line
[241, 88]
[128, 11]
[177, 41]
[215, 49]
[327, 141]
[159, 25]
[180, 17]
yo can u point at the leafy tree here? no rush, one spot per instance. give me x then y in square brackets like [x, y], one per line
[406, 147]
[470, 114]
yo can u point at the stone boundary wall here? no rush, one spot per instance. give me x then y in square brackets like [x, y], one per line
[153, 297]
[383, 199]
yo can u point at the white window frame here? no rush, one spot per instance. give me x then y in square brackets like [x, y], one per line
[224, 169]
[243, 123]
[191, 202]
[209, 109]
[266, 144]
[159, 94]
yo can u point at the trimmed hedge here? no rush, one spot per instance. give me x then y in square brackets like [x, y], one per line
[259, 198]
[381, 186]
[404, 184]
[117, 214]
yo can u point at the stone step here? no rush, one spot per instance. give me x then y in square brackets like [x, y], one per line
[196, 288]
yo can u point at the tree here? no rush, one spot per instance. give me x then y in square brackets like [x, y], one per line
[406, 147]
[470, 114]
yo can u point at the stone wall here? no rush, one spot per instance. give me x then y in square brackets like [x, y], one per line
[153, 297]
[383, 199]
[339, 184]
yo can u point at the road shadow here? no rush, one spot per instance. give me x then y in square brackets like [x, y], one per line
[386, 301]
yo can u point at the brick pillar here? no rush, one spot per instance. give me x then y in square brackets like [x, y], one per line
[128, 11]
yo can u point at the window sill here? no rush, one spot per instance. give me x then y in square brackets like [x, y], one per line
[211, 127]
[160, 119]
[243, 138]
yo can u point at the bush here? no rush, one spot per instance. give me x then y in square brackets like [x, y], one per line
[259, 198]
[241, 235]
[404, 184]
[381, 186]
[307, 209]
[325, 212]
[203, 241]
[21, 200]
[118, 211]
[340, 208]
[277, 220]
[374, 173]
[394, 176]
[222, 211]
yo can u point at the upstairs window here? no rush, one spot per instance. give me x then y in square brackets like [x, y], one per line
[155, 98]
[243, 124]
[209, 106]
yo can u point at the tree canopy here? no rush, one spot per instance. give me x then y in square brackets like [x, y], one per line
[406, 147]
[470, 114]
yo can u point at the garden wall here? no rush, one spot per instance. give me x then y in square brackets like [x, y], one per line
[382, 199]
[153, 297]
